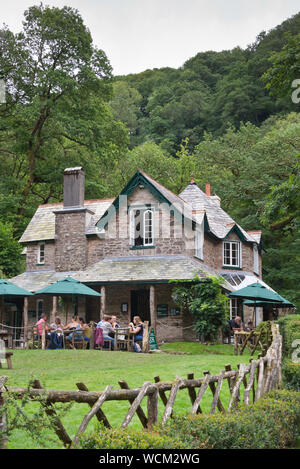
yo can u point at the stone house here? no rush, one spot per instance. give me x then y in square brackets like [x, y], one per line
[130, 247]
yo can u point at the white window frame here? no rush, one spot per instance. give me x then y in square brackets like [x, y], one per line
[255, 259]
[199, 242]
[145, 228]
[234, 309]
[41, 259]
[231, 243]
[143, 211]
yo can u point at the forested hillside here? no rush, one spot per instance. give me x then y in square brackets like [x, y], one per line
[227, 116]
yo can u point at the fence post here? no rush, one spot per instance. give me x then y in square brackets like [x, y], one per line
[3, 422]
[152, 408]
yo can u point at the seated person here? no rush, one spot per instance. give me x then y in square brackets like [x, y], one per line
[115, 325]
[56, 335]
[57, 325]
[136, 328]
[85, 330]
[236, 324]
[108, 329]
[114, 322]
[56, 340]
[249, 326]
[71, 326]
[39, 325]
[99, 324]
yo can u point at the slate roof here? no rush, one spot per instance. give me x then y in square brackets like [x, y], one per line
[42, 224]
[220, 223]
[124, 269]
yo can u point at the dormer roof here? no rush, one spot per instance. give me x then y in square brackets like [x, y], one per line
[220, 223]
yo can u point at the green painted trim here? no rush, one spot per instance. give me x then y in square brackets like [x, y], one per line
[231, 267]
[133, 248]
[236, 229]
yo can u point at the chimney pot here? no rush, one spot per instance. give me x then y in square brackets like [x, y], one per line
[207, 189]
[74, 187]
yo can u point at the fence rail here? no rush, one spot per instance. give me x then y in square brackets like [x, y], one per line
[259, 376]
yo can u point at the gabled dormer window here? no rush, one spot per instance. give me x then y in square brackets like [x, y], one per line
[141, 227]
[232, 254]
[41, 253]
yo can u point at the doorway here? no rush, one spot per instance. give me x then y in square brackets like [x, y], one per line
[140, 304]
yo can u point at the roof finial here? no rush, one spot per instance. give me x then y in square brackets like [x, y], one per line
[192, 178]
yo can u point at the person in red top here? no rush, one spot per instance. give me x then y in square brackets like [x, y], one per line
[40, 324]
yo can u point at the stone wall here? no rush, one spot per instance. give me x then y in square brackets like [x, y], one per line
[70, 240]
[32, 257]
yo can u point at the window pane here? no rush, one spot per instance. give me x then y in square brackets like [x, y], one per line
[231, 253]
[148, 227]
[138, 240]
[234, 254]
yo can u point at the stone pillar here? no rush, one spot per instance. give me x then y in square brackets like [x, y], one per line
[152, 307]
[25, 312]
[102, 302]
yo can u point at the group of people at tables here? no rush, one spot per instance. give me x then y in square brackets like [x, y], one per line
[236, 325]
[56, 332]
[109, 324]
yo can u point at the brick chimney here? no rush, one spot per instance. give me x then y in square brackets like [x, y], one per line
[207, 189]
[70, 224]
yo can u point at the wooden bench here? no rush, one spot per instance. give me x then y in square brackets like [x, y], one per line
[8, 356]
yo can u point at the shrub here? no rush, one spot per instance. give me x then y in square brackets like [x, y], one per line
[265, 327]
[128, 438]
[204, 299]
[291, 375]
[269, 423]
[290, 331]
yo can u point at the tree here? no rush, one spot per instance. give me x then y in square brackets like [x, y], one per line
[206, 302]
[282, 217]
[58, 85]
[125, 105]
[10, 250]
[285, 70]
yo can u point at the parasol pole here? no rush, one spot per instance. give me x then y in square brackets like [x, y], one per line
[1, 310]
[67, 308]
[254, 313]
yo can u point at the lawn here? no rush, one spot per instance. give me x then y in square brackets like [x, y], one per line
[62, 369]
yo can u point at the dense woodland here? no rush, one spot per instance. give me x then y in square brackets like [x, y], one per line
[227, 116]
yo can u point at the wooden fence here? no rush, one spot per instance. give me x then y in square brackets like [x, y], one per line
[257, 378]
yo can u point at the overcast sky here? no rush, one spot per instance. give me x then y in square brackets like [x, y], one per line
[141, 34]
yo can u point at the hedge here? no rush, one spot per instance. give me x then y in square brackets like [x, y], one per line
[128, 438]
[291, 375]
[271, 422]
[290, 330]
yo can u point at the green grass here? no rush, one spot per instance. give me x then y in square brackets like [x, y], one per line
[62, 369]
